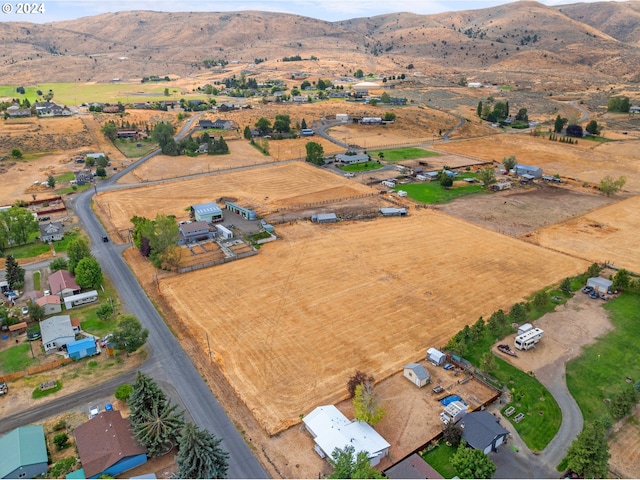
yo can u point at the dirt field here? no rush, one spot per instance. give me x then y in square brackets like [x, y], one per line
[524, 209]
[263, 189]
[588, 161]
[268, 296]
[624, 446]
[607, 234]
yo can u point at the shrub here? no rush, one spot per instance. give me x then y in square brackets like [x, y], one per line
[61, 441]
[123, 392]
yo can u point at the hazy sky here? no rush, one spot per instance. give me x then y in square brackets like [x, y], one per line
[330, 10]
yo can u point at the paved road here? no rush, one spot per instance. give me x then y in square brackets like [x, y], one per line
[168, 363]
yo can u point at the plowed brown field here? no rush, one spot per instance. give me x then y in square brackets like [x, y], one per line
[263, 189]
[289, 325]
[607, 234]
[589, 161]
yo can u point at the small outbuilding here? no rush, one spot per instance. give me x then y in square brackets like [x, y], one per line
[435, 356]
[80, 299]
[82, 348]
[416, 374]
[393, 212]
[324, 218]
[599, 284]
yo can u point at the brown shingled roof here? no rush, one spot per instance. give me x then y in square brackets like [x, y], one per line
[105, 440]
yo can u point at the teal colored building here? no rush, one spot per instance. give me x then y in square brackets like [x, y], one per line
[23, 453]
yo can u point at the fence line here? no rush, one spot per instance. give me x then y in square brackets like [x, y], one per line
[217, 262]
[48, 366]
[324, 202]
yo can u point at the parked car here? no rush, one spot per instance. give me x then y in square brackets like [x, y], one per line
[587, 290]
[593, 294]
[25, 310]
[44, 219]
[31, 337]
[105, 340]
[93, 411]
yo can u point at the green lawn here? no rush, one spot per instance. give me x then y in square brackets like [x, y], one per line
[73, 189]
[89, 321]
[65, 177]
[399, 154]
[361, 167]
[77, 93]
[16, 358]
[36, 280]
[31, 250]
[433, 192]
[439, 459]
[131, 150]
[602, 368]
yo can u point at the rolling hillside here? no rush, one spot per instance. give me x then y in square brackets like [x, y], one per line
[513, 39]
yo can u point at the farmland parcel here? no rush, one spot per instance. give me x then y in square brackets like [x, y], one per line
[288, 326]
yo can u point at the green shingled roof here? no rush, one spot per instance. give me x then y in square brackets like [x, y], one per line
[22, 446]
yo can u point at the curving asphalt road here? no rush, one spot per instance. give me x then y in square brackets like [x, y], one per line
[168, 363]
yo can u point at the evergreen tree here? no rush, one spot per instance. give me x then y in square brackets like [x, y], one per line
[589, 455]
[200, 454]
[146, 393]
[247, 133]
[158, 429]
[304, 124]
[479, 109]
[14, 273]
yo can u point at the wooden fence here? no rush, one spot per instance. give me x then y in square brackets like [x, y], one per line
[324, 202]
[48, 366]
[217, 262]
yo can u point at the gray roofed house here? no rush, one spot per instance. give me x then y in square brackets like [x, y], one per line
[416, 374]
[482, 431]
[599, 284]
[24, 453]
[324, 218]
[51, 231]
[193, 232]
[56, 332]
[412, 467]
[521, 170]
[393, 212]
[352, 159]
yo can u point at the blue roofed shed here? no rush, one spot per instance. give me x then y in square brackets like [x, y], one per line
[24, 453]
[82, 348]
[416, 374]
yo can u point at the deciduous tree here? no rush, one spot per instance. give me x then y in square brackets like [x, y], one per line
[36, 312]
[129, 334]
[366, 404]
[610, 186]
[487, 176]
[347, 464]
[16, 153]
[58, 263]
[110, 130]
[509, 162]
[358, 378]
[76, 251]
[472, 463]
[315, 153]
[621, 280]
[263, 124]
[104, 311]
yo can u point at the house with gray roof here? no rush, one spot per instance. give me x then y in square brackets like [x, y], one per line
[412, 467]
[51, 232]
[416, 374]
[482, 431]
[24, 453]
[56, 332]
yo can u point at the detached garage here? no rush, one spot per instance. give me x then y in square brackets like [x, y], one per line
[435, 356]
[521, 170]
[416, 374]
[599, 284]
[82, 348]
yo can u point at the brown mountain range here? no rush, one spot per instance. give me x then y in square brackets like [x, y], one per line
[595, 43]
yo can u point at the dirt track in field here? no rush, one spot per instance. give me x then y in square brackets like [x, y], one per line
[301, 316]
[608, 234]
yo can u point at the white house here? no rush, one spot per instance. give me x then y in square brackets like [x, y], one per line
[345, 159]
[56, 332]
[51, 232]
[331, 430]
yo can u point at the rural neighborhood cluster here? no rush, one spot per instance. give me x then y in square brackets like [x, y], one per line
[401, 246]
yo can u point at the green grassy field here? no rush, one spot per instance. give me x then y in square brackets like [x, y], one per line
[77, 93]
[361, 167]
[601, 370]
[36, 280]
[130, 148]
[433, 192]
[15, 359]
[439, 459]
[399, 154]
